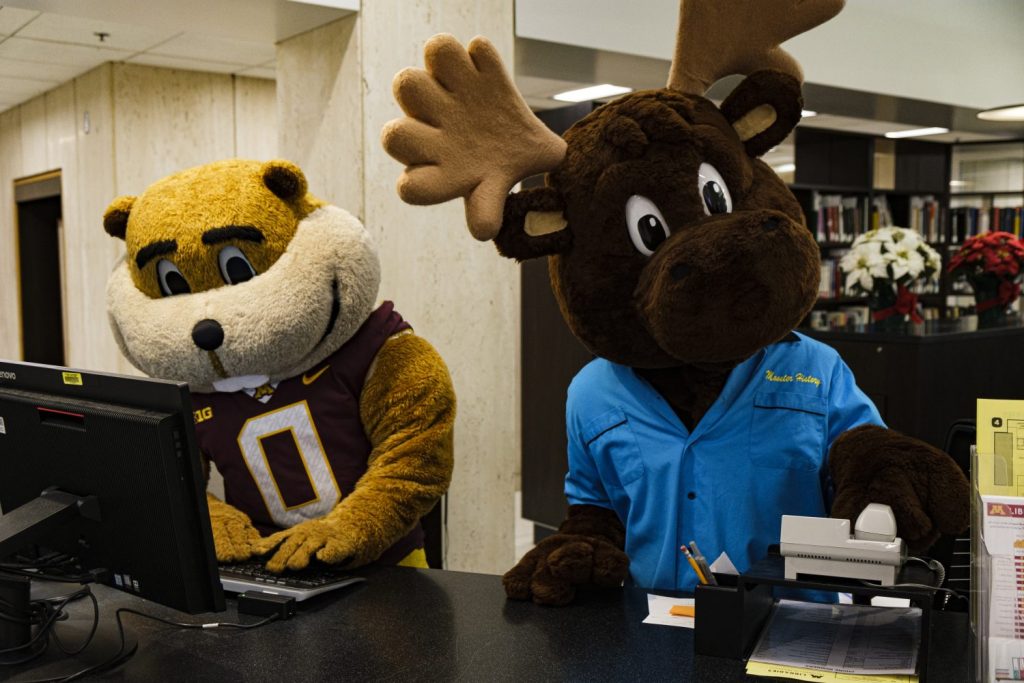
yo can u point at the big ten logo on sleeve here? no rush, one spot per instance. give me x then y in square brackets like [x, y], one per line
[203, 414]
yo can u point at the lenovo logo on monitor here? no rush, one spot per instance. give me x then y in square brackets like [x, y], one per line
[7, 375]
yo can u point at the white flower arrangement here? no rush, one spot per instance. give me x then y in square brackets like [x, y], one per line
[893, 256]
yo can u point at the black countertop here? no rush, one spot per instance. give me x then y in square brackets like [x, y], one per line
[410, 625]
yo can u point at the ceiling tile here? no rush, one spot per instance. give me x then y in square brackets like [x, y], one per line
[259, 72]
[170, 62]
[206, 47]
[64, 29]
[13, 18]
[46, 52]
[57, 73]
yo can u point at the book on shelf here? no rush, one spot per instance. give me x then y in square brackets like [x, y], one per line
[840, 218]
[1007, 219]
[926, 218]
[968, 221]
[831, 284]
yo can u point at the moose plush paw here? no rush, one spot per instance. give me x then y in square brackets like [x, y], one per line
[926, 490]
[234, 537]
[586, 551]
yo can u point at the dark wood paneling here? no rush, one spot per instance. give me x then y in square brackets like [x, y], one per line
[922, 166]
[42, 317]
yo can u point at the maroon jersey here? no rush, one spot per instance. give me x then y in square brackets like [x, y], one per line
[295, 456]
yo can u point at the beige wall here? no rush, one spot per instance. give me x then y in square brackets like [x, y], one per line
[334, 95]
[143, 123]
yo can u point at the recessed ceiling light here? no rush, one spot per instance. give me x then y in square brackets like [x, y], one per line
[916, 132]
[958, 183]
[784, 168]
[807, 113]
[1014, 112]
[594, 92]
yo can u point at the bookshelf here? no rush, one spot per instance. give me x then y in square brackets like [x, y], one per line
[849, 183]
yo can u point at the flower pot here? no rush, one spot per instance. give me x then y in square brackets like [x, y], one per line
[992, 296]
[892, 307]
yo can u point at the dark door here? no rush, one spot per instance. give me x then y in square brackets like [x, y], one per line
[39, 266]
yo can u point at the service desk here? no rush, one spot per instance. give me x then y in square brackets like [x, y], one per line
[924, 377]
[409, 625]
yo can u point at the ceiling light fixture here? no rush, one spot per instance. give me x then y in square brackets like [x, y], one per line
[784, 168]
[807, 113]
[916, 132]
[1013, 112]
[594, 92]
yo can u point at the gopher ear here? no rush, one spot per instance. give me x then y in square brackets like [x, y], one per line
[284, 179]
[115, 218]
[763, 109]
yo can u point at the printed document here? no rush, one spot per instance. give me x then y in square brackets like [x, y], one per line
[851, 639]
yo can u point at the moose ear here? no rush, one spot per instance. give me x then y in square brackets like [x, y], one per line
[285, 180]
[115, 218]
[763, 109]
[533, 225]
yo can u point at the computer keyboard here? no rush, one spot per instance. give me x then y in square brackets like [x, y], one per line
[301, 585]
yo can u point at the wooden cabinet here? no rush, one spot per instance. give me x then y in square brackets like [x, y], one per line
[926, 379]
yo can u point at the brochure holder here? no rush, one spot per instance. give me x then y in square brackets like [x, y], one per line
[731, 615]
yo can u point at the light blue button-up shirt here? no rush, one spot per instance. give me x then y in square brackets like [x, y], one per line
[758, 453]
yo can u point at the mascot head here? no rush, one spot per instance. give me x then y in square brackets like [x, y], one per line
[235, 275]
[668, 240]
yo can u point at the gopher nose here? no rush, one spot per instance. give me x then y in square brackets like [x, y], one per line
[208, 335]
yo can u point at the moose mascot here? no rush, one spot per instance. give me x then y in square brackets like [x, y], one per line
[683, 263]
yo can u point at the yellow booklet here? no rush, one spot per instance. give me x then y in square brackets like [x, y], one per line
[1000, 447]
[801, 674]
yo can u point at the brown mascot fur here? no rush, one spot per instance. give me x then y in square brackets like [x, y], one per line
[677, 257]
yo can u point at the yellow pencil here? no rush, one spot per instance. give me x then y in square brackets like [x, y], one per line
[693, 563]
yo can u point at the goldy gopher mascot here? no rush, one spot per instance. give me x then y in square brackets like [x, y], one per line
[330, 420]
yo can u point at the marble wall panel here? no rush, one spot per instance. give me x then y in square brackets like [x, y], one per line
[457, 292]
[255, 118]
[320, 110]
[10, 168]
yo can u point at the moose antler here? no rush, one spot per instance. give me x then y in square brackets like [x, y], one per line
[717, 38]
[467, 132]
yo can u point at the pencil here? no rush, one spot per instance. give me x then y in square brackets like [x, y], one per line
[693, 563]
[703, 563]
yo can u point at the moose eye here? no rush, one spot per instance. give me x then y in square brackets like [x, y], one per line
[713, 192]
[234, 266]
[646, 225]
[170, 278]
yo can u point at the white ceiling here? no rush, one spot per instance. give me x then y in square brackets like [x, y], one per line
[44, 43]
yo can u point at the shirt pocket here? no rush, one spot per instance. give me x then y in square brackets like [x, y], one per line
[616, 451]
[787, 431]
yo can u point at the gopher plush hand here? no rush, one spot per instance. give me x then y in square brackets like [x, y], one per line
[234, 537]
[927, 492]
[586, 551]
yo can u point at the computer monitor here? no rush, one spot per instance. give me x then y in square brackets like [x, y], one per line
[125, 490]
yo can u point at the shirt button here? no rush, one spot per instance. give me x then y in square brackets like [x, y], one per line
[691, 495]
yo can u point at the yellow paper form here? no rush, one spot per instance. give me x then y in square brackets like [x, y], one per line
[1000, 446]
[801, 674]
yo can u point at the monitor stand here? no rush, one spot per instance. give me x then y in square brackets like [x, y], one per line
[24, 525]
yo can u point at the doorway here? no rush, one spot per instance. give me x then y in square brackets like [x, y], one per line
[40, 259]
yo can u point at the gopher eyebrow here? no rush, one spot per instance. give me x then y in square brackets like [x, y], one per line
[154, 249]
[232, 232]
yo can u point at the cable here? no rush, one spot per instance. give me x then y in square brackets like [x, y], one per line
[122, 656]
[934, 565]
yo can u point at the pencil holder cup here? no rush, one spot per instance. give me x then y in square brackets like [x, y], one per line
[728, 617]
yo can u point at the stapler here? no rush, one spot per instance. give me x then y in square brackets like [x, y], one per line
[822, 546]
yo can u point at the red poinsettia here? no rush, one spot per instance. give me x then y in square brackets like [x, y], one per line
[994, 253]
[991, 263]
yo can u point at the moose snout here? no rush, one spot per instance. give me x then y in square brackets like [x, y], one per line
[208, 335]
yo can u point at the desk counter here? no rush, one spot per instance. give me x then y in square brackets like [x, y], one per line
[406, 624]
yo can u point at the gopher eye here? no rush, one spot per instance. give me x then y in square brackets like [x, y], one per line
[234, 266]
[647, 227]
[170, 278]
[714, 193]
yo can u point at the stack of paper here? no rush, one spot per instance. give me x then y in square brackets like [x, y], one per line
[840, 639]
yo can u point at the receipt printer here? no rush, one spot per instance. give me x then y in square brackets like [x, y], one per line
[822, 546]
